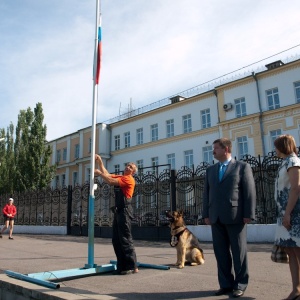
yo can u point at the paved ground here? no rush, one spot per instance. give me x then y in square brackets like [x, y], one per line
[31, 253]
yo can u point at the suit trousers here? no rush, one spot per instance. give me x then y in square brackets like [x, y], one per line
[122, 241]
[230, 247]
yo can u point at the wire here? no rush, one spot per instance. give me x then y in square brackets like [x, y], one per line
[240, 68]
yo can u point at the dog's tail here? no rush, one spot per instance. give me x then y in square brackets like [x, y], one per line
[198, 246]
[201, 250]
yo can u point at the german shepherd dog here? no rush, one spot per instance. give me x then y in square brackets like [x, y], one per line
[186, 244]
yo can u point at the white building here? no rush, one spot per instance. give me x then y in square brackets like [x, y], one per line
[251, 110]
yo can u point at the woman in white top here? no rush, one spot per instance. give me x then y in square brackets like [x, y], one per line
[287, 197]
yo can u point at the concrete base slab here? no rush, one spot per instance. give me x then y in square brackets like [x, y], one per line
[14, 289]
[28, 254]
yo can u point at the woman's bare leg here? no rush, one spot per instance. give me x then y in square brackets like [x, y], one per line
[5, 226]
[294, 263]
[11, 227]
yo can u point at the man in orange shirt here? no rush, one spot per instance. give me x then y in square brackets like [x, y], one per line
[123, 214]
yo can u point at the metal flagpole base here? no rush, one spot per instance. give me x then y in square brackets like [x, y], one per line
[151, 266]
[41, 282]
[44, 278]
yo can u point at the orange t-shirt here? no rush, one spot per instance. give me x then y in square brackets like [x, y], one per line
[127, 184]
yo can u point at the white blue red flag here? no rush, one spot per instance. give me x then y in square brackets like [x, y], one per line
[97, 59]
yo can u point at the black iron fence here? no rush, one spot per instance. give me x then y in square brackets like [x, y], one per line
[157, 190]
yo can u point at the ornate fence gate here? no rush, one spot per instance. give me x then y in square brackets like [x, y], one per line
[157, 190]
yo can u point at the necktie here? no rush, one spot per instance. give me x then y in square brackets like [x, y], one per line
[221, 171]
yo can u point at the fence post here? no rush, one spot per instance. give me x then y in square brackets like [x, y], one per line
[173, 190]
[263, 197]
[69, 210]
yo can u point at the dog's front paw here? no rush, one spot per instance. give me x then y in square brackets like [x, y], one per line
[177, 264]
[181, 266]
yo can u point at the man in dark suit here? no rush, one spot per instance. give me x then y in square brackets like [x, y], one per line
[228, 206]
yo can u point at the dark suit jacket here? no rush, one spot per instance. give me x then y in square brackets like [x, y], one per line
[231, 199]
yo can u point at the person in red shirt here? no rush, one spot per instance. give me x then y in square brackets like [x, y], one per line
[123, 214]
[9, 212]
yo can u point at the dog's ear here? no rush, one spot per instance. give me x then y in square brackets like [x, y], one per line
[180, 212]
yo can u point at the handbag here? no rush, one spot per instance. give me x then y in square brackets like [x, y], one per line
[279, 255]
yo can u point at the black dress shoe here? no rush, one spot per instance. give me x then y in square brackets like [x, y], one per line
[237, 293]
[223, 291]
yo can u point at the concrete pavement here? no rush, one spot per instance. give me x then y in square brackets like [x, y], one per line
[38, 253]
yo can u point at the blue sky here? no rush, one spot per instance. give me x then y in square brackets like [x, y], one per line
[151, 50]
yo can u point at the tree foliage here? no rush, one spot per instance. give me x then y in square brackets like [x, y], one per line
[25, 160]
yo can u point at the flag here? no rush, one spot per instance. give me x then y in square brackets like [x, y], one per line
[97, 58]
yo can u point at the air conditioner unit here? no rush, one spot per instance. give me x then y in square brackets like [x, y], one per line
[227, 106]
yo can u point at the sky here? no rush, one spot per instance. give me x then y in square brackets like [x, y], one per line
[151, 50]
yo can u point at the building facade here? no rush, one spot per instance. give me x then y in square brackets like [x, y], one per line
[251, 110]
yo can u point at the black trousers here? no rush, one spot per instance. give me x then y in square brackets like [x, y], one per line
[122, 240]
[230, 247]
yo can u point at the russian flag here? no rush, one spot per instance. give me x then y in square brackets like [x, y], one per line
[97, 59]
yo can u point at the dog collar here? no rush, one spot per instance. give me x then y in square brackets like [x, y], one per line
[175, 236]
[178, 230]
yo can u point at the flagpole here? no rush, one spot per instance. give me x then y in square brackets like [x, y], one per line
[91, 206]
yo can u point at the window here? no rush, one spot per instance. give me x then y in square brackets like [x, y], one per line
[240, 107]
[154, 132]
[75, 178]
[57, 181]
[154, 162]
[207, 154]
[274, 134]
[153, 203]
[242, 146]
[273, 99]
[171, 160]
[188, 159]
[297, 91]
[170, 128]
[88, 174]
[57, 156]
[64, 154]
[117, 169]
[76, 151]
[63, 180]
[127, 139]
[90, 145]
[117, 142]
[139, 136]
[187, 123]
[140, 166]
[205, 118]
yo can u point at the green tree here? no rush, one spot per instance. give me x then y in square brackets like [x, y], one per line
[7, 168]
[33, 170]
[23, 179]
[41, 153]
